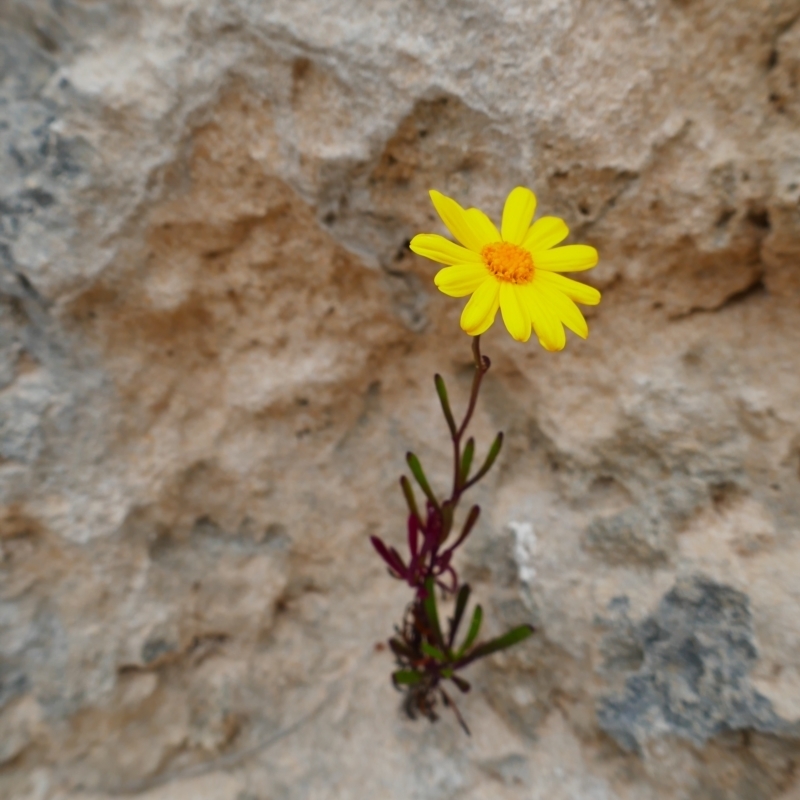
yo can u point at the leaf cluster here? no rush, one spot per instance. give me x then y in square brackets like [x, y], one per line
[426, 657]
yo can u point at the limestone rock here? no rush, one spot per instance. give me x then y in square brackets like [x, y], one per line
[216, 348]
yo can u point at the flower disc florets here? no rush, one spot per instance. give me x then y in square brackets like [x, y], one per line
[508, 262]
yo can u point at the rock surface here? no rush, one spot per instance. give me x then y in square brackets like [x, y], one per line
[215, 348]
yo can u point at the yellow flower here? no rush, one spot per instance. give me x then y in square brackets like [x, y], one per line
[515, 269]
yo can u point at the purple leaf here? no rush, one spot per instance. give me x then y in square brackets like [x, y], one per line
[399, 560]
[413, 535]
[391, 558]
[433, 526]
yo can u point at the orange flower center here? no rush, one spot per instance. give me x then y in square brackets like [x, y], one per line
[508, 262]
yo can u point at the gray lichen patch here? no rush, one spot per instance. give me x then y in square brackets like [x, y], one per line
[698, 650]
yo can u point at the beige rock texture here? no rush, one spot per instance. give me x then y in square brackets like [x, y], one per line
[216, 348]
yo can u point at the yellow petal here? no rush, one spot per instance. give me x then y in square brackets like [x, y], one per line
[570, 258]
[517, 215]
[489, 321]
[483, 227]
[548, 327]
[516, 315]
[461, 223]
[461, 279]
[564, 309]
[545, 233]
[480, 311]
[441, 250]
[579, 292]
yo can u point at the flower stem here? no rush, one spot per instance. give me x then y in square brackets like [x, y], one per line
[482, 365]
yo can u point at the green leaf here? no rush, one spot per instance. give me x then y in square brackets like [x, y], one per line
[466, 460]
[441, 390]
[509, 639]
[469, 523]
[474, 629]
[433, 652]
[463, 685]
[431, 613]
[408, 493]
[458, 614]
[406, 677]
[416, 471]
[494, 451]
[447, 519]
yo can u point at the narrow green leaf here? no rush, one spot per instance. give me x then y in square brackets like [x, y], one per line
[458, 614]
[416, 470]
[447, 673]
[441, 390]
[430, 611]
[433, 652]
[509, 639]
[494, 451]
[469, 523]
[447, 519]
[408, 493]
[474, 629]
[466, 460]
[406, 677]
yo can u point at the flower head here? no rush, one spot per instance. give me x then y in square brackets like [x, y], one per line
[516, 269]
